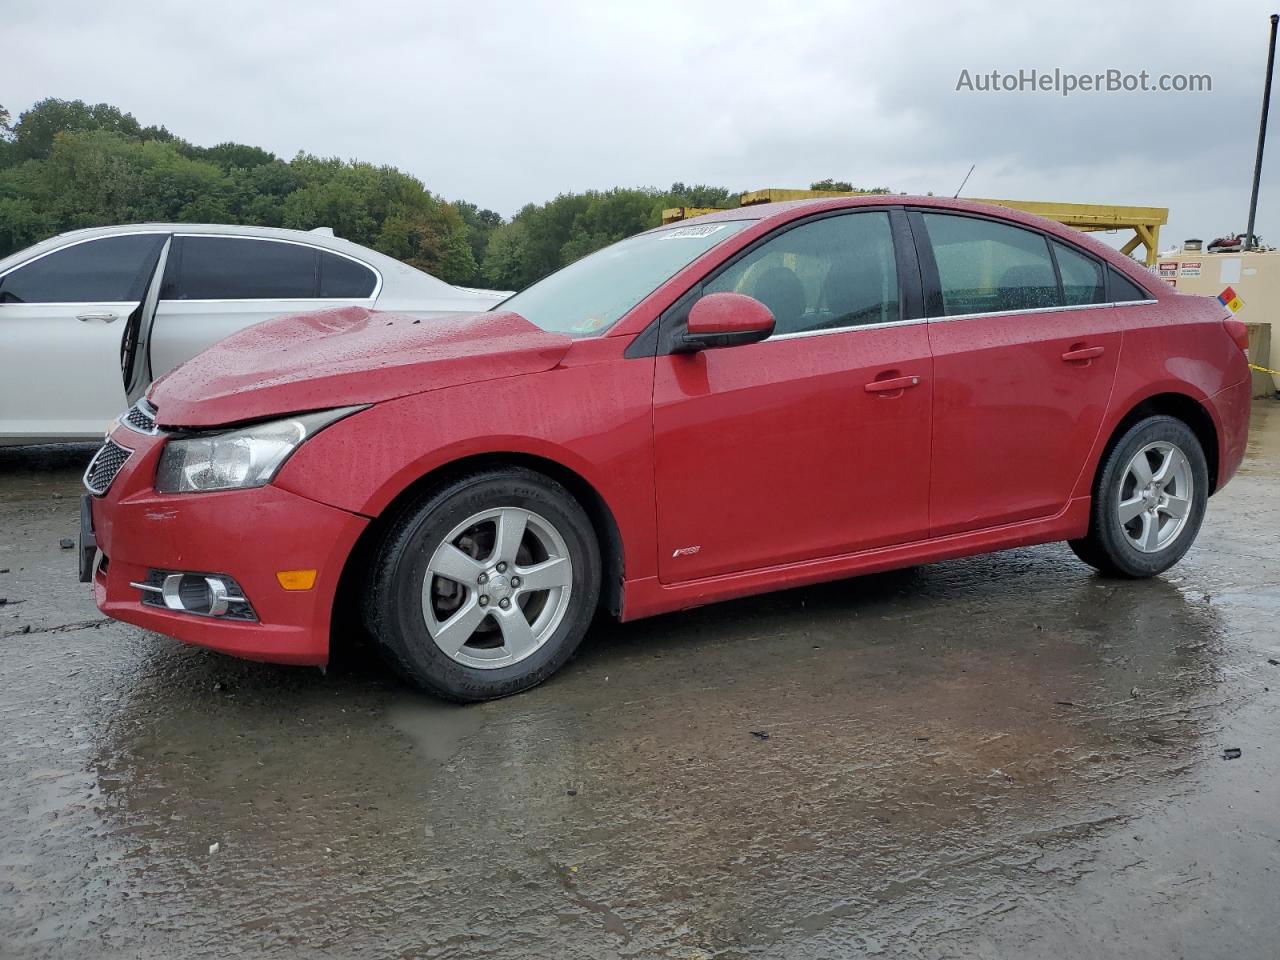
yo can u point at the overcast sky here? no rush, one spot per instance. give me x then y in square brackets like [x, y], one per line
[506, 103]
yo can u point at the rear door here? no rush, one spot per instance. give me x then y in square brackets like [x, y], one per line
[217, 284]
[1025, 352]
[63, 320]
[815, 442]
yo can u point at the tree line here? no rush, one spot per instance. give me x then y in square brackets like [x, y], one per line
[66, 164]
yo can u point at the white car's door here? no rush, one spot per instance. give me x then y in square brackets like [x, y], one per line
[215, 284]
[62, 318]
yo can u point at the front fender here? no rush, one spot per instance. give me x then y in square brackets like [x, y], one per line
[594, 420]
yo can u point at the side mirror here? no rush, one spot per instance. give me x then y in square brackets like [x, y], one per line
[726, 320]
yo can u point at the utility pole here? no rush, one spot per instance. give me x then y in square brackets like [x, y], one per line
[1250, 242]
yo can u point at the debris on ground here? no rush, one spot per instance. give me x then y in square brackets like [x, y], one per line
[759, 734]
[66, 543]
[1231, 753]
[214, 848]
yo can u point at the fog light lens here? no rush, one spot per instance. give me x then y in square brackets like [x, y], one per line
[201, 594]
[297, 579]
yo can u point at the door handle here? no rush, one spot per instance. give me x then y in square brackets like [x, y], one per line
[106, 316]
[889, 386]
[1083, 353]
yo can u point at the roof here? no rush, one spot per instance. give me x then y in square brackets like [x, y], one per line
[789, 209]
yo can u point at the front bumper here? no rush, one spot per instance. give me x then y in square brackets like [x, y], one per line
[249, 535]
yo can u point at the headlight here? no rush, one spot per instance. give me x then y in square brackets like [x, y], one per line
[238, 459]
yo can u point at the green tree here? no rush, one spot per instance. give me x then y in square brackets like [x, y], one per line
[845, 186]
[701, 195]
[66, 164]
[480, 225]
[6, 135]
[37, 129]
[505, 264]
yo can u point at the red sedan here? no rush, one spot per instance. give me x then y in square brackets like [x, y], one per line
[755, 399]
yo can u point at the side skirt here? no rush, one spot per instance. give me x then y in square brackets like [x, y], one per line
[647, 597]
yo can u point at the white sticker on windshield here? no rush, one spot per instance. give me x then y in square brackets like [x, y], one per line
[699, 231]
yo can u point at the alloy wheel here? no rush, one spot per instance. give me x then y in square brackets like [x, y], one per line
[497, 587]
[1156, 494]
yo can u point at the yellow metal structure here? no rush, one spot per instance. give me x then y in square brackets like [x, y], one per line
[1145, 222]
[672, 214]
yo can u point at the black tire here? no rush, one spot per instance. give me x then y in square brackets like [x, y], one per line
[393, 595]
[1107, 547]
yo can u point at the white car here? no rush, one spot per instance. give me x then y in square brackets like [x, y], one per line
[88, 319]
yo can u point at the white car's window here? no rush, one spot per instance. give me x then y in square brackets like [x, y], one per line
[987, 267]
[822, 275]
[106, 270]
[342, 278]
[247, 268]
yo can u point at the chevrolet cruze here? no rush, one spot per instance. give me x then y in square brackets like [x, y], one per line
[755, 399]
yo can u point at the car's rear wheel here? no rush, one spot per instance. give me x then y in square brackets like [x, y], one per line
[486, 586]
[1148, 500]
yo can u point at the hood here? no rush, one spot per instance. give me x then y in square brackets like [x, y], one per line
[339, 358]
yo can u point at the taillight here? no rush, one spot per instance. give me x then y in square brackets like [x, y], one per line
[1238, 332]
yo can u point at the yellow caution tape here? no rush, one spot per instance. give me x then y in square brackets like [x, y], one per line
[1261, 369]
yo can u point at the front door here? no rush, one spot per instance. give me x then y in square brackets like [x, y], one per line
[813, 443]
[63, 317]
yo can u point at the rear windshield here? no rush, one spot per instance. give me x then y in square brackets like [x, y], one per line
[590, 295]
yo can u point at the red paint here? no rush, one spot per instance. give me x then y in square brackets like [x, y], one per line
[775, 452]
[1013, 421]
[345, 357]
[727, 471]
[729, 313]
[245, 534]
[1237, 331]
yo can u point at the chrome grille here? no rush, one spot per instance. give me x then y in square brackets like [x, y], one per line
[140, 417]
[104, 466]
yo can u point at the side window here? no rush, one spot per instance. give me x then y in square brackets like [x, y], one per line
[987, 267]
[1124, 290]
[822, 275]
[242, 268]
[1081, 276]
[342, 278]
[107, 270]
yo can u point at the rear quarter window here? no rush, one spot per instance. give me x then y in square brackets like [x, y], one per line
[1124, 290]
[342, 278]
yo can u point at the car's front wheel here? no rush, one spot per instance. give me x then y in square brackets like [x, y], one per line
[1148, 500]
[486, 586]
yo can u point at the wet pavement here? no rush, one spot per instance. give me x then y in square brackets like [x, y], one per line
[1004, 756]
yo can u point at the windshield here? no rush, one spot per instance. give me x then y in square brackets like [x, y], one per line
[590, 295]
